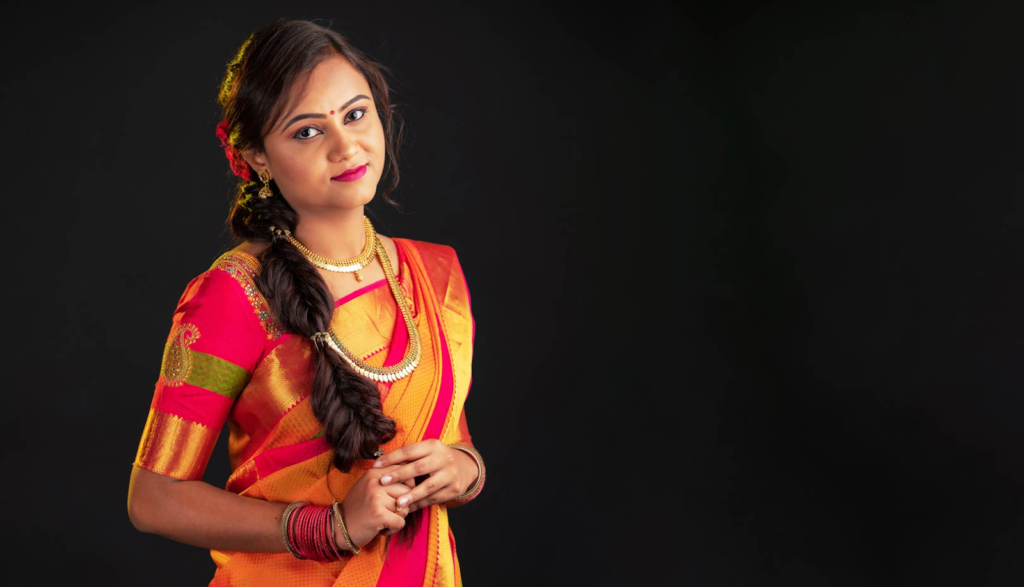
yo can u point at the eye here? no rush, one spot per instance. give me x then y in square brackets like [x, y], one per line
[303, 133]
[361, 111]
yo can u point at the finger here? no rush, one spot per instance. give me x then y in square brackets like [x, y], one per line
[378, 473]
[427, 465]
[396, 490]
[445, 495]
[409, 452]
[410, 482]
[392, 523]
[429, 486]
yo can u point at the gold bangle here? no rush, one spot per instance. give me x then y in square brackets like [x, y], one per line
[479, 469]
[284, 526]
[340, 522]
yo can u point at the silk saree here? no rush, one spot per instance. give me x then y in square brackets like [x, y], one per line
[227, 361]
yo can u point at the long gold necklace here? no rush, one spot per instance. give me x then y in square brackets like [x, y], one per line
[353, 265]
[412, 353]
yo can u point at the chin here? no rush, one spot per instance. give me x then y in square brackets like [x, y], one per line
[351, 200]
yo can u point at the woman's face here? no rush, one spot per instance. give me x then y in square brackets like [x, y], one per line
[332, 128]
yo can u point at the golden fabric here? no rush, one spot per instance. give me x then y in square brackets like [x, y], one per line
[276, 447]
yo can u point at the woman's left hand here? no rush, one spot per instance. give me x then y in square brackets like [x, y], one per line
[449, 472]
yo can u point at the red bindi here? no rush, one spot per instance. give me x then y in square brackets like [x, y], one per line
[332, 111]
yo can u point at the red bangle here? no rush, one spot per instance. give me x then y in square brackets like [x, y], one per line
[310, 532]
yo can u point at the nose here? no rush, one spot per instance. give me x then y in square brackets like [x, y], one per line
[344, 145]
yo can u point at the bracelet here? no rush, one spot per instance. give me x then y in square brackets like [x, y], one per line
[285, 516]
[334, 551]
[481, 473]
[340, 522]
[308, 532]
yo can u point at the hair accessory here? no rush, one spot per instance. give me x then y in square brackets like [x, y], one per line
[319, 338]
[265, 191]
[238, 165]
[277, 234]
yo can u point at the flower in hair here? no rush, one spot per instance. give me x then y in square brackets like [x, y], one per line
[238, 165]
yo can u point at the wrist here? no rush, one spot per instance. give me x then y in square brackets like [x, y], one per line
[342, 537]
[468, 470]
[480, 473]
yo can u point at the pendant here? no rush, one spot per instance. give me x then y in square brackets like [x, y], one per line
[358, 277]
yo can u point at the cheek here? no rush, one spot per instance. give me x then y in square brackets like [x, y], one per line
[294, 169]
[377, 144]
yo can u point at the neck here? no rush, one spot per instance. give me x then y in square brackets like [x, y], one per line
[338, 236]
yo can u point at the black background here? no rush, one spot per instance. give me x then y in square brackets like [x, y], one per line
[746, 279]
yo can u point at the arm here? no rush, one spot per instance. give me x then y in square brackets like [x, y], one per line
[199, 514]
[215, 343]
[214, 346]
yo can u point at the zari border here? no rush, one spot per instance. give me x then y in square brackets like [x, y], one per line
[244, 267]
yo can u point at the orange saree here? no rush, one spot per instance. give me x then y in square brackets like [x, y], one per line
[227, 361]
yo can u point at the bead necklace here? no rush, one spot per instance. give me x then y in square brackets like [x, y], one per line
[412, 353]
[352, 265]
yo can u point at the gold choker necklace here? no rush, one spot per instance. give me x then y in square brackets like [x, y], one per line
[412, 352]
[353, 265]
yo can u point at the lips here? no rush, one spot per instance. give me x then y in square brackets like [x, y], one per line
[351, 174]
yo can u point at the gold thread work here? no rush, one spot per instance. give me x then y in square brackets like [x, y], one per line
[177, 362]
[245, 268]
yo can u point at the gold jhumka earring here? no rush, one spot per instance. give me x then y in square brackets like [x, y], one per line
[265, 191]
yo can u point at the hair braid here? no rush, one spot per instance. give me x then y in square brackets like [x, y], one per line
[252, 94]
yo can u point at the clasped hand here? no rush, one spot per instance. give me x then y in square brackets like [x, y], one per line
[384, 495]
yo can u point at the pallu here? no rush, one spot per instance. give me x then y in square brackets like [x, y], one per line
[228, 360]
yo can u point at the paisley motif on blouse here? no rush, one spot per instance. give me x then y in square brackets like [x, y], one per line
[178, 361]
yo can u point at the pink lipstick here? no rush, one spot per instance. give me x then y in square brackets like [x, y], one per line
[352, 174]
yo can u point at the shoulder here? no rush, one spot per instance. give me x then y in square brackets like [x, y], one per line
[429, 253]
[439, 262]
[228, 289]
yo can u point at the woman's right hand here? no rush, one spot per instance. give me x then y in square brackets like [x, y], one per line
[369, 508]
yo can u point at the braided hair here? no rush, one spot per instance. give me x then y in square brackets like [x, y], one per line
[252, 96]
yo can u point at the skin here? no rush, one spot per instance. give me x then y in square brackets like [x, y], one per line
[302, 157]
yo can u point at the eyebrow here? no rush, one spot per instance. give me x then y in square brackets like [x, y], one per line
[321, 116]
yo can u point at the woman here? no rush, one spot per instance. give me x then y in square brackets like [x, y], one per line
[340, 358]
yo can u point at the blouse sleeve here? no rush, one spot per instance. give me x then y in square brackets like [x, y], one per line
[215, 342]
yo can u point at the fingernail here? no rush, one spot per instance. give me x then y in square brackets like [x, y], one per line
[403, 500]
[385, 479]
[378, 465]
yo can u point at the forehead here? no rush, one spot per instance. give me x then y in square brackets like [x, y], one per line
[331, 83]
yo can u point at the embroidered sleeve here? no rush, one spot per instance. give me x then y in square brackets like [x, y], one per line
[215, 341]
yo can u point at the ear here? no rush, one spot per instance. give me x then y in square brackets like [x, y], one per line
[257, 160]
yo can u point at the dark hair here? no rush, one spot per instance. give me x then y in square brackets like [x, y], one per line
[254, 94]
